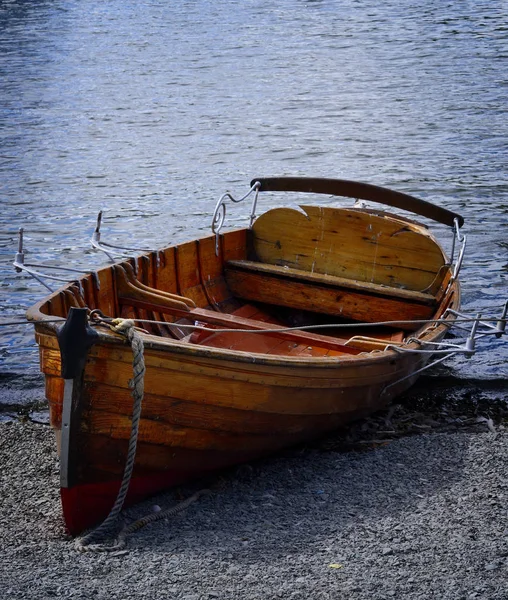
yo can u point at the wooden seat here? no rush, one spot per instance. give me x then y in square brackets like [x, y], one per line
[351, 244]
[363, 266]
[327, 294]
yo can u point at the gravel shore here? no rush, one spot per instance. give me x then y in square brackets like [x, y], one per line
[421, 517]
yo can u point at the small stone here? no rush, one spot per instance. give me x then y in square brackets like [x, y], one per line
[386, 551]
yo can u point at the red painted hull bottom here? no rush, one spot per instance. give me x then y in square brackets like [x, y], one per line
[87, 505]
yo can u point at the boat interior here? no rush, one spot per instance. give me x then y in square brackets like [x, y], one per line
[295, 267]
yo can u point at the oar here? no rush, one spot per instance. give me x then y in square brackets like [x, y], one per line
[235, 322]
[131, 278]
[129, 288]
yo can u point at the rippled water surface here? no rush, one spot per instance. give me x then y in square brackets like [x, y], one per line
[151, 109]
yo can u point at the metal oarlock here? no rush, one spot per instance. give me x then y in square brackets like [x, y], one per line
[219, 214]
[445, 349]
[457, 239]
[102, 246]
[20, 265]
[500, 328]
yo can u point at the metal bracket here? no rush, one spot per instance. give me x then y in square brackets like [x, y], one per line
[20, 265]
[219, 214]
[96, 243]
[457, 239]
[446, 349]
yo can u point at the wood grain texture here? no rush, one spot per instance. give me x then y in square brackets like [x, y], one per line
[188, 270]
[349, 244]
[326, 294]
[106, 293]
[212, 276]
[234, 245]
[235, 322]
[201, 415]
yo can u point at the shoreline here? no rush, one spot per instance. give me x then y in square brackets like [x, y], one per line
[420, 517]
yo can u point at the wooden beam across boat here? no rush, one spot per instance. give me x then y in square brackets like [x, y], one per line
[327, 294]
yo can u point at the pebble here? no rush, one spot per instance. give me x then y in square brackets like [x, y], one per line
[402, 545]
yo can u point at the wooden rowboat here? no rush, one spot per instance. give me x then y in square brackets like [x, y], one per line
[242, 386]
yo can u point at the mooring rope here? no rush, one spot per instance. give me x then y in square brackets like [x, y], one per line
[172, 511]
[89, 542]
[125, 327]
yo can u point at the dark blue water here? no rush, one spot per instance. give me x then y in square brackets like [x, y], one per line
[150, 110]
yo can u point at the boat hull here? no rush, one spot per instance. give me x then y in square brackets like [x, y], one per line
[203, 413]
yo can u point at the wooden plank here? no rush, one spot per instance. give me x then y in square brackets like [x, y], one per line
[166, 281]
[248, 311]
[142, 265]
[55, 306]
[118, 426]
[350, 244]
[327, 295]
[234, 245]
[212, 276]
[89, 291]
[245, 342]
[54, 388]
[234, 322]
[262, 392]
[146, 275]
[189, 279]
[329, 281]
[103, 453]
[166, 273]
[106, 293]
[51, 363]
[192, 414]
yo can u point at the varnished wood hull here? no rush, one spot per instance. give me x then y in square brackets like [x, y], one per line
[201, 414]
[207, 405]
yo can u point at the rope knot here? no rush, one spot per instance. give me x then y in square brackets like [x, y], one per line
[122, 325]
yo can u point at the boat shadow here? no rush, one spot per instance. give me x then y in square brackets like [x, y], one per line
[276, 506]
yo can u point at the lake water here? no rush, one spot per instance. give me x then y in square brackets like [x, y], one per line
[150, 110]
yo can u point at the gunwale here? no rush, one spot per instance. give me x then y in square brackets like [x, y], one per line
[153, 342]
